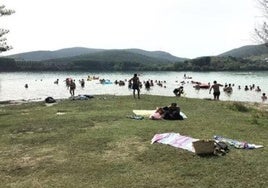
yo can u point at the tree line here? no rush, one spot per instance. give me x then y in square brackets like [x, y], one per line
[198, 64]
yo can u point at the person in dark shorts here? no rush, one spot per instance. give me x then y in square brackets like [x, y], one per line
[135, 82]
[72, 87]
[216, 90]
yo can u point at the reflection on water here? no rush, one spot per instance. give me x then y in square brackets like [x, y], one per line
[41, 84]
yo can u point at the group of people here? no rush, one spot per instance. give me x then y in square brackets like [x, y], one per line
[215, 87]
[70, 83]
[171, 112]
[135, 83]
[216, 90]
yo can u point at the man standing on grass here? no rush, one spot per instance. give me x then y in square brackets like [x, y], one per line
[216, 90]
[135, 81]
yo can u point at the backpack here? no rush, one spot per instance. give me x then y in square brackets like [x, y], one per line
[50, 100]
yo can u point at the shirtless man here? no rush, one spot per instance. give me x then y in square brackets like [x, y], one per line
[216, 90]
[135, 85]
[72, 87]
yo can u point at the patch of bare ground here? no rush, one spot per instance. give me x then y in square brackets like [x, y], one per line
[258, 106]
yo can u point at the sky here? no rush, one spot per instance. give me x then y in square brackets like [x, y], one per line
[184, 28]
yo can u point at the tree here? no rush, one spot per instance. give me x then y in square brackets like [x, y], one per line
[3, 45]
[262, 31]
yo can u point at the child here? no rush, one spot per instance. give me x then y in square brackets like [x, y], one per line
[264, 97]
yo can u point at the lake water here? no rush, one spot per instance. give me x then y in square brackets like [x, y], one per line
[41, 84]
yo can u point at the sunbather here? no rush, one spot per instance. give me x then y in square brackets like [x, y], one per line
[158, 114]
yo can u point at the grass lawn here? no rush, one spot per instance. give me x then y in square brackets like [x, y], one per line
[93, 144]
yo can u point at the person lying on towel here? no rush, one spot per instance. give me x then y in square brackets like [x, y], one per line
[158, 114]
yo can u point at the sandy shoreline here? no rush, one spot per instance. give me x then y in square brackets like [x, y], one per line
[256, 105]
[18, 102]
[260, 106]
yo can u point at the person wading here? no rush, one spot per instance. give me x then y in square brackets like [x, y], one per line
[135, 81]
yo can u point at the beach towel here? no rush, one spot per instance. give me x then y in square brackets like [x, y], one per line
[147, 113]
[175, 140]
[236, 143]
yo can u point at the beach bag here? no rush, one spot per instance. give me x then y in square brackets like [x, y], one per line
[50, 100]
[204, 147]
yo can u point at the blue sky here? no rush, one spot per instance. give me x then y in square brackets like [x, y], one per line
[184, 28]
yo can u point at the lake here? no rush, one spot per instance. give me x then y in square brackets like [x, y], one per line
[41, 84]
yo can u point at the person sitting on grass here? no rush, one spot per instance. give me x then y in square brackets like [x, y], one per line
[172, 112]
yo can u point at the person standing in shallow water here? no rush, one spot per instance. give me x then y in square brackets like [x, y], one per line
[264, 97]
[72, 87]
[216, 90]
[135, 82]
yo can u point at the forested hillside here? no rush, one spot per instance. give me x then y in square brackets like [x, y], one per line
[46, 55]
[242, 59]
[90, 53]
[221, 64]
[249, 52]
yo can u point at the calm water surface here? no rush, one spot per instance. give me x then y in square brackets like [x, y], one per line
[41, 84]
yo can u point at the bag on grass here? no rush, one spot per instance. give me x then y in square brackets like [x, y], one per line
[203, 147]
[50, 100]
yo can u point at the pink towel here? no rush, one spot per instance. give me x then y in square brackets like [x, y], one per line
[175, 140]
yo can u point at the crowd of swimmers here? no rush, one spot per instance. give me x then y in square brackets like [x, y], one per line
[135, 84]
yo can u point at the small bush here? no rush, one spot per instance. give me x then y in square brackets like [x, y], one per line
[238, 106]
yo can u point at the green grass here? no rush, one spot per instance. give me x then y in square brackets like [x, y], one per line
[94, 144]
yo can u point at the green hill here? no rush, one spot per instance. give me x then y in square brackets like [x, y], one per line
[249, 52]
[246, 58]
[222, 63]
[73, 53]
[95, 59]
[128, 56]
[129, 59]
[46, 55]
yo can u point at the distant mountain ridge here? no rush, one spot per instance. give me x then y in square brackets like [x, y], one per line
[46, 55]
[246, 58]
[78, 52]
[249, 51]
